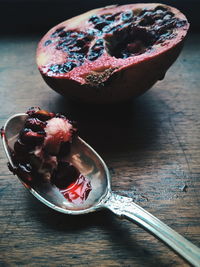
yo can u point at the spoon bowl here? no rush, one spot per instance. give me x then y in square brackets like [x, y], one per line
[82, 156]
[91, 165]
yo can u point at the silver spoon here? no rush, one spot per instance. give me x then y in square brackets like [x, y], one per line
[90, 164]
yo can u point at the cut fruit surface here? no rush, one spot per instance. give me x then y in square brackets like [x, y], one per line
[113, 53]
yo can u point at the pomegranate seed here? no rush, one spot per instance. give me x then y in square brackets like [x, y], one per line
[35, 124]
[43, 115]
[24, 171]
[65, 174]
[27, 136]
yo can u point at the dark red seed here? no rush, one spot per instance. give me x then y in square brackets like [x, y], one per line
[81, 42]
[36, 162]
[28, 137]
[2, 131]
[68, 66]
[43, 115]
[92, 32]
[62, 34]
[57, 32]
[96, 51]
[32, 110]
[74, 48]
[74, 34]
[65, 43]
[92, 56]
[65, 174]
[127, 16]
[55, 68]
[35, 124]
[112, 29]
[100, 25]
[109, 17]
[77, 58]
[94, 19]
[24, 171]
[21, 149]
[11, 168]
[48, 42]
[99, 42]
[180, 23]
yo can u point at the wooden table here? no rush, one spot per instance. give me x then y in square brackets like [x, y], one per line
[151, 146]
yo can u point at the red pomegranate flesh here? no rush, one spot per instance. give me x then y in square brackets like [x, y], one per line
[113, 53]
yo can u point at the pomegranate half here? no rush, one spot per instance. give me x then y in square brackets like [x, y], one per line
[112, 53]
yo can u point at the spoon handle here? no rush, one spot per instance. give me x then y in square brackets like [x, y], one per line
[125, 207]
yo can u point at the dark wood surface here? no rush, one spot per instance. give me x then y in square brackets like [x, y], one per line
[151, 146]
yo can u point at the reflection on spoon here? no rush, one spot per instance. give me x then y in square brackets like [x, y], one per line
[91, 166]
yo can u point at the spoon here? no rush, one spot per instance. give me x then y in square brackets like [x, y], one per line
[90, 164]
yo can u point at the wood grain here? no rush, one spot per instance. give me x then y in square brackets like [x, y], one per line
[151, 146]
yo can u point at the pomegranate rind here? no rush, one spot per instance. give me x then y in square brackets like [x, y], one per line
[110, 79]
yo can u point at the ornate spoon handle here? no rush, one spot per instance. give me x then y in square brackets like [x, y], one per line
[125, 207]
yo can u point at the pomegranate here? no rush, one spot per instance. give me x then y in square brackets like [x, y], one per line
[113, 53]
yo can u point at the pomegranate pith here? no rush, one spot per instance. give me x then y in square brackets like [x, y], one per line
[113, 53]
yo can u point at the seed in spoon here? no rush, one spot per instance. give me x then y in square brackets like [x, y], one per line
[40, 154]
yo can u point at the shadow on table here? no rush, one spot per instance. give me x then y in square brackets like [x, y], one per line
[59, 227]
[117, 127]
